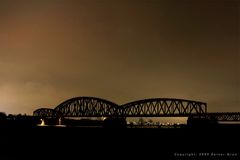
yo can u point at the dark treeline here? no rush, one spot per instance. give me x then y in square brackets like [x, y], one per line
[18, 120]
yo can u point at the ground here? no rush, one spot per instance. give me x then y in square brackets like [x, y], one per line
[121, 143]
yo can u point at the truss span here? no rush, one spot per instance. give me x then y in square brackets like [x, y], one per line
[87, 107]
[224, 116]
[44, 112]
[163, 107]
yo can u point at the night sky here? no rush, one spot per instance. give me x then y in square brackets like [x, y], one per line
[121, 50]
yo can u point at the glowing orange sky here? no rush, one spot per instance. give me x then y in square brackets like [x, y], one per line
[121, 51]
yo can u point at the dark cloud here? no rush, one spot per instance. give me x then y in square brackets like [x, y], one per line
[121, 51]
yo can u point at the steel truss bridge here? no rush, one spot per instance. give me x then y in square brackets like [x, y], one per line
[155, 107]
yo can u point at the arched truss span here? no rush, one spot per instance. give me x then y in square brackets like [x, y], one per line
[87, 107]
[162, 107]
[44, 112]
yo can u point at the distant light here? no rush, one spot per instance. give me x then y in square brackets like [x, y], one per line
[103, 118]
[42, 122]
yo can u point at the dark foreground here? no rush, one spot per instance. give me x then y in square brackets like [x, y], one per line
[130, 143]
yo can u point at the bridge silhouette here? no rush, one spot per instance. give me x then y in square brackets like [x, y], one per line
[155, 107]
[96, 107]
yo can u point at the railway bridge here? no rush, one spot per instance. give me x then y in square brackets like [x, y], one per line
[154, 107]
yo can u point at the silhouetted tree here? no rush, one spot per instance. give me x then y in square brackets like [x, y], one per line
[3, 115]
[3, 118]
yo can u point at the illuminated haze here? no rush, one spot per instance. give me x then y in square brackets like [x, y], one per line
[121, 51]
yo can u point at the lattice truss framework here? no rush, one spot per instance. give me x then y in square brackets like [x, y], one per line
[224, 116]
[162, 107]
[87, 107]
[45, 112]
